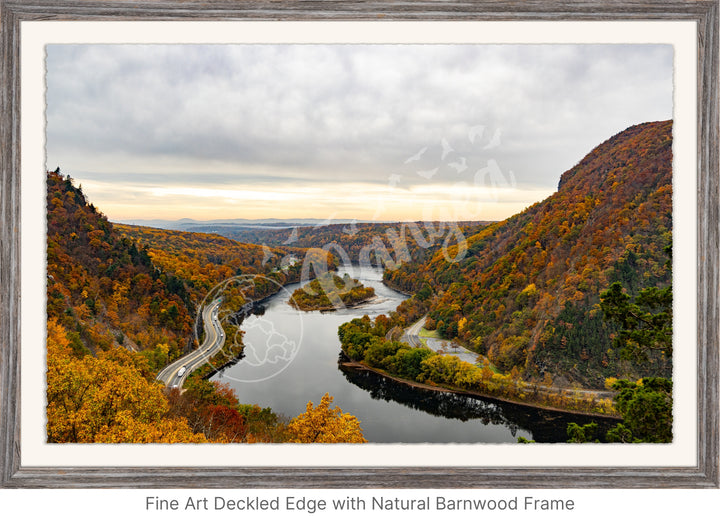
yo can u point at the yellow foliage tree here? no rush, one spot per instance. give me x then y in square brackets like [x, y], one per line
[105, 399]
[323, 424]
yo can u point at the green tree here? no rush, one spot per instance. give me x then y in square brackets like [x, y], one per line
[581, 434]
[646, 407]
[645, 334]
[645, 323]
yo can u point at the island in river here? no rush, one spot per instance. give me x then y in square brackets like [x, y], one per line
[329, 291]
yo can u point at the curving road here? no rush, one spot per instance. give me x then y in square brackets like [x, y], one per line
[175, 373]
[412, 337]
[412, 334]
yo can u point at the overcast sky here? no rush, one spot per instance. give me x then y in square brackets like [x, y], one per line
[388, 132]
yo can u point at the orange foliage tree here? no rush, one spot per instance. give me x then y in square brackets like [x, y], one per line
[323, 424]
[100, 399]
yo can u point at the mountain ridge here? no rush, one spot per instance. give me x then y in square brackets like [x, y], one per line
[526, 293]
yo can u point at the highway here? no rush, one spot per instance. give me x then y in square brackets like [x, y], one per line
[411, 335]
[175, 373]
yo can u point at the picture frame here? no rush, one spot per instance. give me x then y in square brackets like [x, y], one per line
[704, 474]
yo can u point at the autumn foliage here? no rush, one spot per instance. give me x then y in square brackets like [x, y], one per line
[330, 292]
[121, 304]
[104, 289]
[323, 424]
[122, 301]
[363, 342]
[526, 293]
[100, 400]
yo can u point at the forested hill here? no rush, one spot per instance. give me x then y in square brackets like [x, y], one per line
[385, 244]
[527, 292]
[204, 260]
[111, 285]
[102, 287]
[121, 304]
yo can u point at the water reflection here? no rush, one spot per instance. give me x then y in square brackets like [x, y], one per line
[389, 412]
[544, 426]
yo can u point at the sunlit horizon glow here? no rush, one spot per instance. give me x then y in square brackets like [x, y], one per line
[458, 202]
[345, 132]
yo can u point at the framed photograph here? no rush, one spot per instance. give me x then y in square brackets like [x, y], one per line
[342, 244]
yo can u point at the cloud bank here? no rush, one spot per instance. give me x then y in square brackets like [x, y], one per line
[355, 131]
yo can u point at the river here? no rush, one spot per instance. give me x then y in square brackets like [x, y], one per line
[291, 357]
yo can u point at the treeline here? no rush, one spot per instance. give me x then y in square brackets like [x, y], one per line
[364, 341]
[112, 285]
[204, 260]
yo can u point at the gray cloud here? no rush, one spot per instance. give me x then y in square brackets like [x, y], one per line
[294, 114]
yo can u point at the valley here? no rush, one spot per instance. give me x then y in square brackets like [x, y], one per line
[529, 340]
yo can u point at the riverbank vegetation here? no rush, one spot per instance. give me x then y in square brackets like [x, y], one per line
[363, 341]
[330, 292]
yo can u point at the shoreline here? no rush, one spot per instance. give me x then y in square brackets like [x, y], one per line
[245, 310]
[395, 288]
[349, 363]
[332, 308]
[309, 307]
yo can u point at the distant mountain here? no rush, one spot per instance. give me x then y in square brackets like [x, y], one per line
[187, 224]
[526, 294]
[384, 244]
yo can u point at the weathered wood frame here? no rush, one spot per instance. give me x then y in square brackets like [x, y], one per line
[703, 12]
